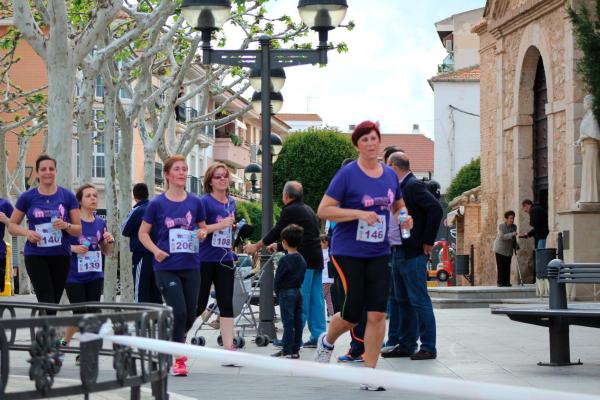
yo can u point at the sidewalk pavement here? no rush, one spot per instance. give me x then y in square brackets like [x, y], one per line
[472, 345]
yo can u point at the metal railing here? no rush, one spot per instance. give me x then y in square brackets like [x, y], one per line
[30, 327]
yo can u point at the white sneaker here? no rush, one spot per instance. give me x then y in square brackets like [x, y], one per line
[370, 388]
[323, 352]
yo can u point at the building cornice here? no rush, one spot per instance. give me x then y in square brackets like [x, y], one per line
[521, 16]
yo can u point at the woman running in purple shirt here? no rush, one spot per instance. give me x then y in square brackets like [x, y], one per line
[86, 277]
[359, 199]
[215, 252]
[177, 214]
[52, 215]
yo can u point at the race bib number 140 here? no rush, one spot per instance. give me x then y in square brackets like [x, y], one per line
[50, 237]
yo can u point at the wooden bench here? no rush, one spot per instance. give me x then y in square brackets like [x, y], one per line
[558, 316]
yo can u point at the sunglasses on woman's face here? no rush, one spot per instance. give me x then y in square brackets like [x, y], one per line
[220, 176]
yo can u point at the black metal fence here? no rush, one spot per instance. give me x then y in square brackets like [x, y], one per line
[31, 327]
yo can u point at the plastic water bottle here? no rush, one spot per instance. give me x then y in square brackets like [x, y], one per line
[87, 244]
[239, 227]
[403, 231]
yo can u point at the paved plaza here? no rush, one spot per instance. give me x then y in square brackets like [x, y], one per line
[472, 345]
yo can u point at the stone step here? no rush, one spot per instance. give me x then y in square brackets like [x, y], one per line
[482, 303]
[482, 292]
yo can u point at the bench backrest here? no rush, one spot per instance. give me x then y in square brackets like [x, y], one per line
[579, 273]
[560, 273]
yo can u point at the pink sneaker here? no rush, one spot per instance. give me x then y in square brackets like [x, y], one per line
[179, 368]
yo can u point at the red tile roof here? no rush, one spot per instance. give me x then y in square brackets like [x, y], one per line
[299, 117]
[469, 74]
[418, 147]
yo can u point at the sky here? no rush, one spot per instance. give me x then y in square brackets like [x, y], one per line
[394, 49]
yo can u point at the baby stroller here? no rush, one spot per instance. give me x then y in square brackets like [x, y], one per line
[246, 292]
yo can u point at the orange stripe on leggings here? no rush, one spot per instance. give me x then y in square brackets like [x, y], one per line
[356, 337]
[341, 274]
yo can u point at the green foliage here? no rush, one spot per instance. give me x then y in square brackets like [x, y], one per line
[587, 33]
[252, 212]
[312, 158]
[468, 177]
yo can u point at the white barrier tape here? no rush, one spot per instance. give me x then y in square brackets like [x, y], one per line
[445, 387]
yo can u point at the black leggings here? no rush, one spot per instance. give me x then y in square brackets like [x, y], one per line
[84, 292]
[2, 272]
[222, 277]
[48, 275]
[180, 291]
[366, 283]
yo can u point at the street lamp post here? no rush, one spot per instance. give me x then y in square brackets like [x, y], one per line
[321, 16]
[252, 173]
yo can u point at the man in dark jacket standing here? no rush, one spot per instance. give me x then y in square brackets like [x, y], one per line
[144, 284]
[538, 219]
[296, 212]
[409, 268]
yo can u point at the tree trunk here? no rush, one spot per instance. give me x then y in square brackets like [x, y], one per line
[3, 168]
[112, 261]
[124, 168]
[61, 81]
[149, 154]
[85, 125]
[24, 283]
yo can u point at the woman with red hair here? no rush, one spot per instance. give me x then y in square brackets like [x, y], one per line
[360, 199]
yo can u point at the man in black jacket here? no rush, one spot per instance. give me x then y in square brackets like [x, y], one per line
[409, 268]
[538, 219]
[144, 284]
[296, 212]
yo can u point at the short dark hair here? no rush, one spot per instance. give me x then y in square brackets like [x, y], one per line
[388, 151]
[292, 234]
[294, 190]
[140, 191]
[347, 161]
[364, 128]
[527, 201]
[509, 213]
[43, 157]
[400, 160]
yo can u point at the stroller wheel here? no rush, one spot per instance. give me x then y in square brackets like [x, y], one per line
[198, 341]
[220, 340]
[239, 342]
[262, 340]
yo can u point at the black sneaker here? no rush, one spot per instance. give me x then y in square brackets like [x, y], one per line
[295, 356]
[280, 353]
[311, 344]
[394, 352]
[423, 355]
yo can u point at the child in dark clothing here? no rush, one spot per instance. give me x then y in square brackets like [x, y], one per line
[288, 280]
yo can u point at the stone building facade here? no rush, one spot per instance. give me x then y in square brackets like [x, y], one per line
[531, 108]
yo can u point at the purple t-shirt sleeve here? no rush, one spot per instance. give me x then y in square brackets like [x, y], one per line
[337, 187]
[201, 212]
[72, 203]
[150, 212]
[23, 202]
[8, 210]
[102, 227]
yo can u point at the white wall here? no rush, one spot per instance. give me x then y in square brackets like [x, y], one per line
[456, 134]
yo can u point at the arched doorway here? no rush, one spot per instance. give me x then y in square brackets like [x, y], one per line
[540, 136]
